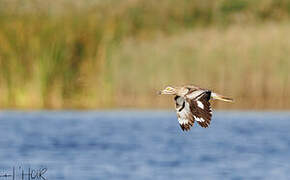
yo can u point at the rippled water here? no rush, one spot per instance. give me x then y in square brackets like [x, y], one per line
[145, 145]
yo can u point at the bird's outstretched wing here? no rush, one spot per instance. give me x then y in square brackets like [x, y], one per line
[194, 106]
[184, 114]
[200, 108]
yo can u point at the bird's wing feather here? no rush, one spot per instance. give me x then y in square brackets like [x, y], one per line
[200, 107]
[184, 114]
[195, 106]
[193, 94]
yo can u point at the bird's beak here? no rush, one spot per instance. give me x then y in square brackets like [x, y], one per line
[159, 92]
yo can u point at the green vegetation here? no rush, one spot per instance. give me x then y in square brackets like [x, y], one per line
[103, 54]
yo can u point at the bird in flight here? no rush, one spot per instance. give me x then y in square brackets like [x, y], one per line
[192, 104]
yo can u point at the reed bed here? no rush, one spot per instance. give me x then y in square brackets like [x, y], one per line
[117, 54]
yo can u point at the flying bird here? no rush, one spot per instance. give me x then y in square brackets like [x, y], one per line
[192, 104]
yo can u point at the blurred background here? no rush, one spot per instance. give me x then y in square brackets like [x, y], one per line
[99, 54]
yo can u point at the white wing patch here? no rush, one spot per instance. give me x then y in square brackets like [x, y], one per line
[182, 121]
[199, 119]
[199, 104]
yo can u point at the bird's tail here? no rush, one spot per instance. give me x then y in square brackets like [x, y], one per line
[221, 97]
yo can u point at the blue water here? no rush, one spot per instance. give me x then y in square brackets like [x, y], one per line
[145, 145]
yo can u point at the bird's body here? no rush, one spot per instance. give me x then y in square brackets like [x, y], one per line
[192, 104]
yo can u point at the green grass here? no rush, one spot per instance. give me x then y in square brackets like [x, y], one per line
[104, 54]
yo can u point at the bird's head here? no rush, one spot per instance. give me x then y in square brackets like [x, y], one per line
[168, 90]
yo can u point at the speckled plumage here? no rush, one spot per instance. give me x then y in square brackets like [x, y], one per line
[192, 104]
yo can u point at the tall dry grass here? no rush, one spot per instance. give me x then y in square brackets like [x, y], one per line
[102, 54]
[248, 63]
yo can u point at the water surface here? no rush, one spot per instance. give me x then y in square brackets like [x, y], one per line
[139, 145]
